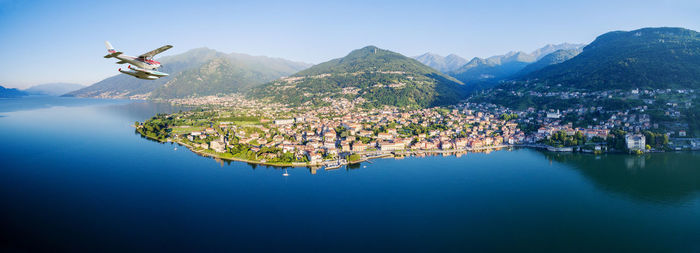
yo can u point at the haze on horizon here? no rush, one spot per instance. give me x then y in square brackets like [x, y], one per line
[62, 41]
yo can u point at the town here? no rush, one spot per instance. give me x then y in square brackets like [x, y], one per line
[340, 131]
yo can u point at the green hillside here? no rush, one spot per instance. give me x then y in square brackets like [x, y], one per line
[227, 74]
[556, 57]
[201, 71]
[644, 58]
[124, 86]
[379, 76]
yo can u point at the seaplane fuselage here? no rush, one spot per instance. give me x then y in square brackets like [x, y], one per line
[139, 62]
[143, 65]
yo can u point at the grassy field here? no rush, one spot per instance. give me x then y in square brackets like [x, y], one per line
[183, 130]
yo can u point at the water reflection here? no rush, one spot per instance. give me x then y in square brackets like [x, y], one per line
[672, 178]
[40, 102]
[141, 110]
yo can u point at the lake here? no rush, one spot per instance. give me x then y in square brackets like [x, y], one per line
[75, 177]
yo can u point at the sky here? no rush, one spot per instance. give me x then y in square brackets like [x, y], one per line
[63, 41]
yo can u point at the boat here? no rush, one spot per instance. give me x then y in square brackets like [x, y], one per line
[285, 173]
[332, 167]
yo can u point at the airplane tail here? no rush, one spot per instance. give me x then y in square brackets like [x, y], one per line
[111, 50]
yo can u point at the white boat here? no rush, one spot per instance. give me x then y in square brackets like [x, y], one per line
[285, 173]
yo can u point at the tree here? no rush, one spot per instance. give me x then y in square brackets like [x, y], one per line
[353, 157]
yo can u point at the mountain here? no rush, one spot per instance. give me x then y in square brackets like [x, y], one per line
[556, 57]
[233, 73]
[443, 64]
[494, 68]
[53, 89]
[551, 48]
[645, 58]
[200, 71]
[125, 86]
[501, 67]
[381, 77]
[11, 93]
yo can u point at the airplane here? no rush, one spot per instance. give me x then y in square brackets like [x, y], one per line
[144, 65]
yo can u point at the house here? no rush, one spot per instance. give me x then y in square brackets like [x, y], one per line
[358, 146]
[365, 133]
[329, 144]
[461, 142]
[315, 157]
[332, 151]
[345, 146]
[389, 146]
[385, 136]
[445, 145]
[330, 135]
[635, 141]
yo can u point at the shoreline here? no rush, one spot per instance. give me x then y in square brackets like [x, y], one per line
[379, 155]
[382, 154]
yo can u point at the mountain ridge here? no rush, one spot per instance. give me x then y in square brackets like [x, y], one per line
[53, 89]
[379, 76]
[124, 86]
[11, 92]
[502, 67]
[648, 57]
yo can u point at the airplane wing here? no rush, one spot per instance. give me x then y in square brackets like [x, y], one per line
[155, 52]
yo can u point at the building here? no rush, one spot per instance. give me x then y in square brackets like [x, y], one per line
[315, 158]
[635, 142]
[218, 146]
[385, 136]
[358, 146]
[553, 115]
[389, 146]
[284, 121]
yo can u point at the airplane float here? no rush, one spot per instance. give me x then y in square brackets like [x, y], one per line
[144, 65]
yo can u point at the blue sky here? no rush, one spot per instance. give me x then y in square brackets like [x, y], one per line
[62, 41]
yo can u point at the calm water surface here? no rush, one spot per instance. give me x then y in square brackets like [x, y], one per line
[74, 177]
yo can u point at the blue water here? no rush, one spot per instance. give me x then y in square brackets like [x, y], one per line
[75, 177]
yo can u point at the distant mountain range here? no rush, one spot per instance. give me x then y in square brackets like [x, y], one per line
[53, 89]
[11, 92]
[381, 77]
[443, 64]
[551, 48]
[49, 89]
[494, 68]
[197, 72]
[555, 57]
